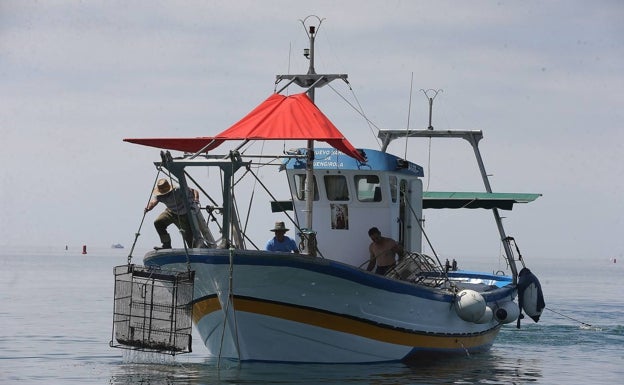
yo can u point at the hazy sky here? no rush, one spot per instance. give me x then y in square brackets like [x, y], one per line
[543, 79]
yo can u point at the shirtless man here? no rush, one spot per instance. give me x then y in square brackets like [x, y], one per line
[382, 252]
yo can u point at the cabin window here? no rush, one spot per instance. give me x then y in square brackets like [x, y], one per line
[393, 188]
[368, 188]
[300, 187]
[336, 187]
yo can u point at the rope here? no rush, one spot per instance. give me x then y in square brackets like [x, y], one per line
[568, 317]
[199, 187]
[138, 232]
[409, 112]
[226, 310]
[231, 298]
[422, 230]
[253, 192]
[360, 111]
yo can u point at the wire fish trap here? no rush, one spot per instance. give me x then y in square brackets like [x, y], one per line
[152, 309]
[418, 268]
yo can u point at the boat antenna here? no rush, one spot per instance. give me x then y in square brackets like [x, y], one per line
[311, 31]
[289, 59]
[409, 112]
[430, 98]
[428, 94]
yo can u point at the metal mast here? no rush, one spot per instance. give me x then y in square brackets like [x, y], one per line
[311, 80]
[473, 137]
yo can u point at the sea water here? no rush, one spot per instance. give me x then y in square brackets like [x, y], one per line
[56, 325]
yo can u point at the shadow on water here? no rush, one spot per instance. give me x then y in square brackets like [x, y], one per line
[484, 368]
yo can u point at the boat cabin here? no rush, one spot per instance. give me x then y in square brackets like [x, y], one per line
[350, 197]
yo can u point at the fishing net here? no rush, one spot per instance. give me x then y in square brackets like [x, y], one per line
[152, 309]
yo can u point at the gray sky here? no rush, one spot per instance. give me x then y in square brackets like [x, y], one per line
[543, 79]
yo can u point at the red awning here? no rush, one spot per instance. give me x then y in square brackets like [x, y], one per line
[179, 144]
[279, 117]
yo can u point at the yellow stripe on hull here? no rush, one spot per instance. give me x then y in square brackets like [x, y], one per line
[204, 307]
[349, 325]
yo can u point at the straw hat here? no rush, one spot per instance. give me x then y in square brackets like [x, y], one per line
[162, 187]
[279, 226]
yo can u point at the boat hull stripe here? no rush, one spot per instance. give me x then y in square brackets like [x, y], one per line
[347, 324]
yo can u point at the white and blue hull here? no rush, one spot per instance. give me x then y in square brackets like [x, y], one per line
[255, 305]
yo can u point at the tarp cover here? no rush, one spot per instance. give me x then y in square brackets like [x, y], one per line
[279, 117]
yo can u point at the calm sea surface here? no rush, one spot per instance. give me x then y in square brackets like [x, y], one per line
[56, 322]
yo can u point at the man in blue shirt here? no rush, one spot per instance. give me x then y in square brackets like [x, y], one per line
[280, 242]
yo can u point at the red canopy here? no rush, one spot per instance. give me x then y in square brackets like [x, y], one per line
[279, 117]
[179, 144]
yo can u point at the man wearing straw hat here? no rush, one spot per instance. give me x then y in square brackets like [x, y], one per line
[280, 242]
[175, 212]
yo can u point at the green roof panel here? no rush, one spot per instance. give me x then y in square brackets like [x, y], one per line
[474, 200]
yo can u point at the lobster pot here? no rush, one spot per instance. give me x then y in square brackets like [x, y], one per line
[152, 309]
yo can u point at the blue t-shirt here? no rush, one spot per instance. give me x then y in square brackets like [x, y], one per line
[287, 245]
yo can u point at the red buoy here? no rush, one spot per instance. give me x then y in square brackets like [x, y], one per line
[84, 249]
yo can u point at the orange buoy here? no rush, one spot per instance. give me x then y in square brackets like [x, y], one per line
[84, 249]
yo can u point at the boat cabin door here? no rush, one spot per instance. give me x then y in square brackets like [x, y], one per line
[410, 211]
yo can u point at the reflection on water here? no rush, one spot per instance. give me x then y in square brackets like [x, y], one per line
[488, 368]
[56, 317]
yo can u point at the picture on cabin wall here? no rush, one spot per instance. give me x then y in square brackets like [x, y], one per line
[339, 216]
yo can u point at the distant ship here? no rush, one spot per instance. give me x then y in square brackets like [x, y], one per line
[117, 246]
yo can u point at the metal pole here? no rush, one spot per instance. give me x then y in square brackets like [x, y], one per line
[497, 218]
[309, 241]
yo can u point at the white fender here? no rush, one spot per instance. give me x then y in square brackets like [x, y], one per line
[530, 302]
[507, 312]
[530, 296]
[487, 316]
[470, 305]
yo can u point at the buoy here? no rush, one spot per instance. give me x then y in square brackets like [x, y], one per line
[84, 249]
[470, 305]
[530, 295]
[487, 316]
[507, 312]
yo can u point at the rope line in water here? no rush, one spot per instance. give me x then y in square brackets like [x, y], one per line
[568, 317]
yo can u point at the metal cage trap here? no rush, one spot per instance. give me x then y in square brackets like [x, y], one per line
[152, 309]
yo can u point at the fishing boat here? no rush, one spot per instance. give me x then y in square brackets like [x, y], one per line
[320, 304]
